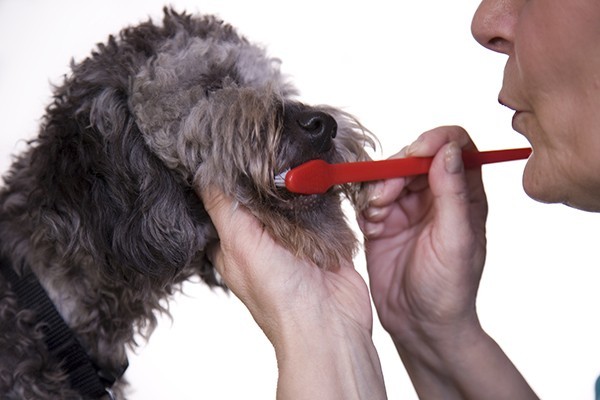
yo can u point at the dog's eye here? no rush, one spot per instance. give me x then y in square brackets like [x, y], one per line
[211, 82]
[213, 87]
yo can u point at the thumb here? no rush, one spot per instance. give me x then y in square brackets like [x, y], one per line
[447, 174]
[218, 206]
[237, 230]
[229, 217]
[456, 197]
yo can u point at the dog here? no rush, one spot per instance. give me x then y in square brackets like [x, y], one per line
[101, 212]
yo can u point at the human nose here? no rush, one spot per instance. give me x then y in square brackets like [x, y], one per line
[494, 23]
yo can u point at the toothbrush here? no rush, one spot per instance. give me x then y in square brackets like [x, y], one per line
[317, 176]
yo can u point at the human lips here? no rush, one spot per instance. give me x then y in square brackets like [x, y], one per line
[517, 123]
[506, 103]
[518, 116]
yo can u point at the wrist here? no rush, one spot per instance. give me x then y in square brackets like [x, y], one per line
[462, 361]
[436, 344]
[318, 336]
[329, 359]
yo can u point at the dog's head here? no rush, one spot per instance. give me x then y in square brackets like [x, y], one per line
[217, 110]
[163, 111]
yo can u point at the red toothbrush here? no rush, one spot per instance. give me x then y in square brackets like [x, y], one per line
[317, 176]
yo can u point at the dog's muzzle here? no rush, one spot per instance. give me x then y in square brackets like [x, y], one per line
[308, 134]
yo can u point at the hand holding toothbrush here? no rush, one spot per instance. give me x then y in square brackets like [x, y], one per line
[425, 247]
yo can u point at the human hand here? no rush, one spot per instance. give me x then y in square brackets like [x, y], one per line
[425, 245]
[275, 285]
[425, 242]
[319, 321]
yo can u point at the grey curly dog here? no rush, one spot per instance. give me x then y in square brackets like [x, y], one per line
[101, 212]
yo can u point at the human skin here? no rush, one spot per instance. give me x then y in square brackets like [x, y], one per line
[425, 236]
[425, 247]
[319, 321]
[552, 81]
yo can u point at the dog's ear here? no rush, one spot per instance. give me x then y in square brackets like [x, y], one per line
[155, 232]
[158, 231]
[103, 190]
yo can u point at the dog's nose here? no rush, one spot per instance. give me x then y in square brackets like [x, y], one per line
[321, 127]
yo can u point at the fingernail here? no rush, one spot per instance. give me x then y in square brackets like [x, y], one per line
[453, 162]
[373, 230]
[376, 191]
[373, 212]
[414, 146]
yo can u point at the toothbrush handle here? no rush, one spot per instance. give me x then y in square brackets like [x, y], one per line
[398, 167]
[477, 158]
[376, 170]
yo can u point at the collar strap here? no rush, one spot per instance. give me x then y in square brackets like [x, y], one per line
[85, 377]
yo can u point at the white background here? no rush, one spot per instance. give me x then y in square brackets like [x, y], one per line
[402, 67]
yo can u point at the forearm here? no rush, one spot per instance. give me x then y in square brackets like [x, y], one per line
[328, 362]
[465, 365]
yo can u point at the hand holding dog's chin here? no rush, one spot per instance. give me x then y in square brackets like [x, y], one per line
[319, 321]
[425, 243]
[277, 287]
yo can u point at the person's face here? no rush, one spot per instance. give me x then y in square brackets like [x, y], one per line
[552, 81]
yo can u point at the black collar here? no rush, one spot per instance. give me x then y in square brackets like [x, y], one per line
[89, 380]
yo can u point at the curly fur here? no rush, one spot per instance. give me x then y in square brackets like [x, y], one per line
[102, 206]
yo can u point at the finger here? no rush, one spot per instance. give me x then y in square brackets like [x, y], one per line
[371, 230]
[418, 184]
[218, 206]
[426, 145]
[430, 142]
[240, 234]
[220, 209]
[230, 219]
[376, 214]
[385, 192]
[450, 188]
[447, 180]
[216, 258]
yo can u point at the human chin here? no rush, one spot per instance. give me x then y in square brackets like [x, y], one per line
[546, 181]
[541, 180]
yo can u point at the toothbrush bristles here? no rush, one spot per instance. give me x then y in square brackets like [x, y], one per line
[280, 179]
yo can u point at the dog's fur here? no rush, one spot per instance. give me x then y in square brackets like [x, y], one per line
[103, 208]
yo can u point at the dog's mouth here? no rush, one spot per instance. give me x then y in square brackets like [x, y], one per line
[301, 203]
[289, 200]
